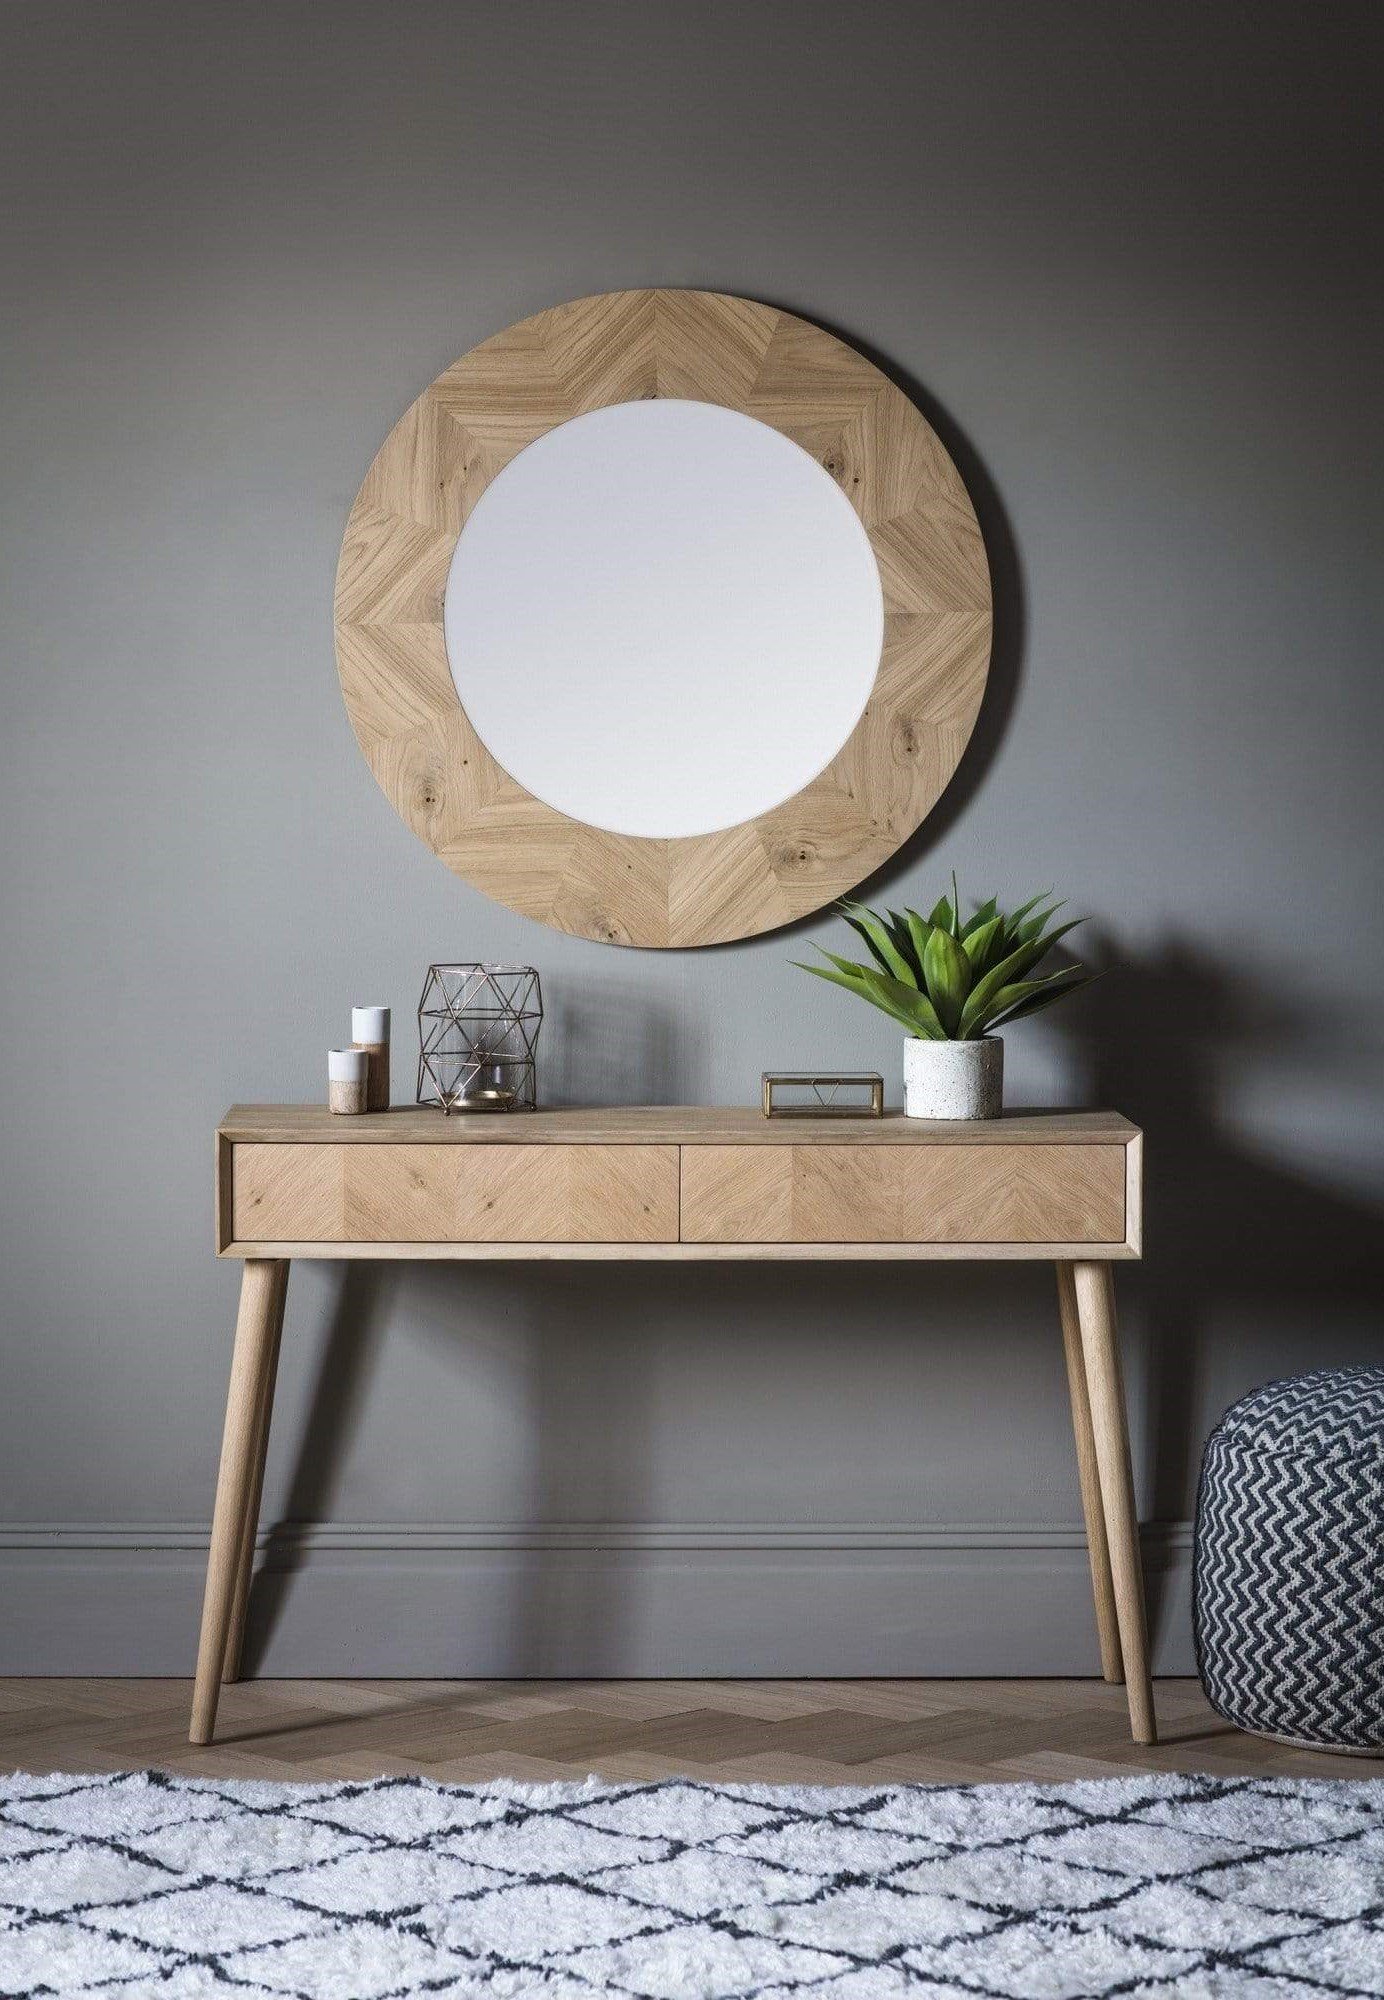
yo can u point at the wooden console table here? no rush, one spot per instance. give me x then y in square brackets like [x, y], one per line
[689, 1185]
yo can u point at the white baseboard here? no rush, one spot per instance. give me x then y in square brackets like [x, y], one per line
[577, 1600]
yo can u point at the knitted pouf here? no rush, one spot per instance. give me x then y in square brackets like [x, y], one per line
[1288, 1585]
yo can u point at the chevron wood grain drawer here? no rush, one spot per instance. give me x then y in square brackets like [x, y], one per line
[954, 1193]
[408, 1194]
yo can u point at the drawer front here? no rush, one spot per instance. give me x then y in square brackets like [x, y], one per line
[949, 1193]
[454, 1193]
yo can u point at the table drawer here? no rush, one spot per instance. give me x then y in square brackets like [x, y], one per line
[949, 1193]
[454, 1193]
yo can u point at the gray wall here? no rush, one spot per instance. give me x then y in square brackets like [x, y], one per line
[1126, 258]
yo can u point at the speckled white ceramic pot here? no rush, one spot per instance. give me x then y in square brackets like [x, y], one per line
[953, 1079]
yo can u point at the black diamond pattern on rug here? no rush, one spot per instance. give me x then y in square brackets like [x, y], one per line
[143, 1885]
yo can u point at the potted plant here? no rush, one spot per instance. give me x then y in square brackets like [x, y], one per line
[951, 984]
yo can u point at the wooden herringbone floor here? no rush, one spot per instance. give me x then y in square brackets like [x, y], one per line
[803, 1732]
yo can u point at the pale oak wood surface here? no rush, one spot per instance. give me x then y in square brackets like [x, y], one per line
[761, 1731]
[247, 1418]
[420, 1193]
[662, 1124]
[585, 355]
[245, 1562]
[1094, 1291]
[455, 1252]
[1088, 1475]
[662, 1181]
[937, 1194]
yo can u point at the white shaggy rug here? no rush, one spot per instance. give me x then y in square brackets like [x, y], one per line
[141, 1885]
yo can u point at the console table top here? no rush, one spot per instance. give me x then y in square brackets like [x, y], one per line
[659, 1124]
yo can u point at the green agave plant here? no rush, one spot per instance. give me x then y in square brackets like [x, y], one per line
[952, 981]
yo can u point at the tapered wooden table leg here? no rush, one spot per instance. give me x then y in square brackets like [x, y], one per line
[1095, 1299]
[240, 1603]
[1088, 1472]
[261, 1302]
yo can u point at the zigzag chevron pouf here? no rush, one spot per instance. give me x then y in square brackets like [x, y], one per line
[1288, 1584]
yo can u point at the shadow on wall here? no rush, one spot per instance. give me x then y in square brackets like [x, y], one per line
[351, 1352]
[584, 1362]
[616, 1044]
[1226, 1231]
[585, 1353]
[1009, 617]
[1228, 1234]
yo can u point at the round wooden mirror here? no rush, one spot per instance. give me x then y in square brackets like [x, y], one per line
[663, 617]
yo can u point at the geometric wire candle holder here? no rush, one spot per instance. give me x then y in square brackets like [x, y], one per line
[477, 1029]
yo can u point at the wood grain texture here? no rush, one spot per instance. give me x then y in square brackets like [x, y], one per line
[660, 1125]
[1134, 1193]
[245, 1565]
[252, 1362]
[224, 1159]
[1095, 1301]
[407, 1194]
[1079, 1169]
[466, 427]
[760, 1731]
[452, 1251]
[1088, 1475]
[941, 1194]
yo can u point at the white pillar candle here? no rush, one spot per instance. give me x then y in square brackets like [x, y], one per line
[348, 1079]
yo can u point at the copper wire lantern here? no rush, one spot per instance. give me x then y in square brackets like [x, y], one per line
[477, 1030]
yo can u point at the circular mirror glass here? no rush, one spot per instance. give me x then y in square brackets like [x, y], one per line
[663, 618]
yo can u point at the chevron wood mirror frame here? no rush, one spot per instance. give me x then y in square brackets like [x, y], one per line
[621, 347]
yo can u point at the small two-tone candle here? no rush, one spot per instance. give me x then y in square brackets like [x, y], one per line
[370, 1031]
[348, 1080]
